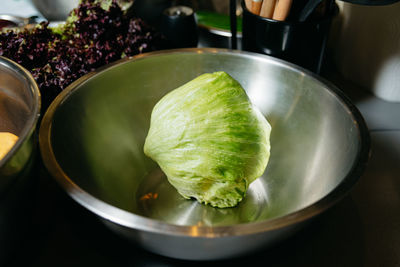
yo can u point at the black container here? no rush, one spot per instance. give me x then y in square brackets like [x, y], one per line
[179, 27]
[302, 43]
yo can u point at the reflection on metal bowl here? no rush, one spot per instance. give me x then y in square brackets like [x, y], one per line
[92, 137]
[19, 113]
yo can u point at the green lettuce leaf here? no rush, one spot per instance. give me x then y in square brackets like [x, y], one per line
[209, 140]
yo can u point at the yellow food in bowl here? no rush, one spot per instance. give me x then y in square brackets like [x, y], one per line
[7, 140]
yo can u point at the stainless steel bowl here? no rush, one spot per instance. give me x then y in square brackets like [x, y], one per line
[55, 10]
[92, 136]
[19, 113]
[7, 20]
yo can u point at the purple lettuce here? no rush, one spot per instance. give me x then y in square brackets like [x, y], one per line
[92, 38]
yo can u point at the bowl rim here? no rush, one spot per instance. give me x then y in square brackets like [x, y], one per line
[30, 125]
[133, 221]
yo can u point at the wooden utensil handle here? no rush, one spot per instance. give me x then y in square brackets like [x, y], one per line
[256, 6]
[282, 9]
[267, 8]
[248, 4]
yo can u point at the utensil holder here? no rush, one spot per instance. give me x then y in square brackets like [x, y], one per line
[301, 43]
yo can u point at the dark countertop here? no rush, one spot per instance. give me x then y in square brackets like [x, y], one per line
[361, 230]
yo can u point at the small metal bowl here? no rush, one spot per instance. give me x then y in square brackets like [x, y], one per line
[11, 21]
[19, 113]
[92, 136]
[55, 10]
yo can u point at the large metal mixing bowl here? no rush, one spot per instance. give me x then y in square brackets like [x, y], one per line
[92, 136]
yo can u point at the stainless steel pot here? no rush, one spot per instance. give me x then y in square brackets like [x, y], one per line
[92, 136]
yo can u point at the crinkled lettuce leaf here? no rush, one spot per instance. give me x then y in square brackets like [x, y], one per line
[209, 140]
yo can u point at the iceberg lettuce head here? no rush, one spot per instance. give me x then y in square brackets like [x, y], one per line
[209, 140]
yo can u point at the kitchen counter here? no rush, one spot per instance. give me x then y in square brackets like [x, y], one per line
[361, 230]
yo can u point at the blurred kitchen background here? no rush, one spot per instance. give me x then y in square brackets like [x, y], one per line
[363, 40]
